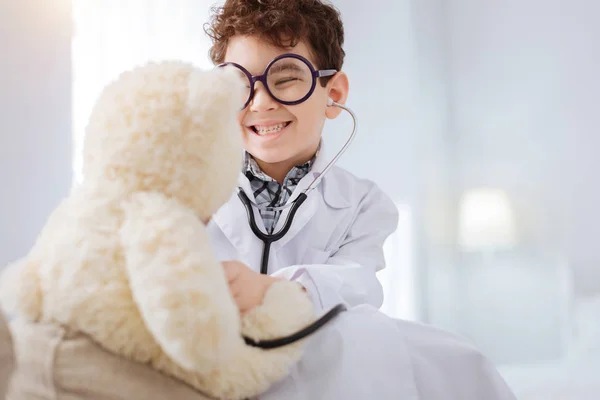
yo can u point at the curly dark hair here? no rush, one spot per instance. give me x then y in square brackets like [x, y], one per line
[283, 23]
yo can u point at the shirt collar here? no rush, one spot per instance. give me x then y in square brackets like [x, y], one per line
[253, 171]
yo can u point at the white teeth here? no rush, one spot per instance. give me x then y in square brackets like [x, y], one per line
[263, 130]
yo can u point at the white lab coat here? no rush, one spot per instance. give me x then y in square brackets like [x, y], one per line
[334, 246]
[334, 249]
[366, 355]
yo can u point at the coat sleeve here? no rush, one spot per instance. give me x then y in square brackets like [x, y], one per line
[349, 275]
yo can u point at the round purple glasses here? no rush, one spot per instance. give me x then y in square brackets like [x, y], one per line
[290, 79]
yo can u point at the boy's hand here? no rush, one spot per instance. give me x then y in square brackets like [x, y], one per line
[246, 286]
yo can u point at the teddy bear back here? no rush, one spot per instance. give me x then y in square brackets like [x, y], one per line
[167, 127]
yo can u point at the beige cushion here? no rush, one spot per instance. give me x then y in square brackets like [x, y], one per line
[6, 355]
[53, 363]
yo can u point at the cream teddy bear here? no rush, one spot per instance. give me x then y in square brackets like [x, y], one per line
[126, 258]
[6, 355]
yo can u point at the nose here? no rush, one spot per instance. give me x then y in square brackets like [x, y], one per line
[262, 101]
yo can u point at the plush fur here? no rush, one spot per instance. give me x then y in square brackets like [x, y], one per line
[126, 257]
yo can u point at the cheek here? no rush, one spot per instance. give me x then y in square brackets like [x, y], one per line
[310, 121]
[240, 119]
[240, 116]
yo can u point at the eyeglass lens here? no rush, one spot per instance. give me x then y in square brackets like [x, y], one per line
[287, 79]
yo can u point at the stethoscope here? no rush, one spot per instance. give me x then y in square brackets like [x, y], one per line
[269, 239]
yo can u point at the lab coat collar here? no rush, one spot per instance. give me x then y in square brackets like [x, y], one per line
[228, 219]
[330, 190]
[333, 193]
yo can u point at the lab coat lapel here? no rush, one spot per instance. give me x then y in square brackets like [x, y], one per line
[232, 219]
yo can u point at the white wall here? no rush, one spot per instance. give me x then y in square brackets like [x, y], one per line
[525, 99]
[383, 77]
[35, 125]
[525, 95]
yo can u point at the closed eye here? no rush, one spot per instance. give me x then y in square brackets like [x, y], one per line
[287, 80]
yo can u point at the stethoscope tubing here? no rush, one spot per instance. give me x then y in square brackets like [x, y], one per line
[266, 238]
[269, 239]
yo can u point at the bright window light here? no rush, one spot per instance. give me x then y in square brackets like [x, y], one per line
[113, 36]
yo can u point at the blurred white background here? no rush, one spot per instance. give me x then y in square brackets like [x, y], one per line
[480, 118]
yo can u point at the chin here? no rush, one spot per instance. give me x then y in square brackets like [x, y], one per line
[270, 156]
[271, 153]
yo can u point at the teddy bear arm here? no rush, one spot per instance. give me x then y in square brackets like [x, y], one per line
[20, 282]
[177, 284]
[20, 289]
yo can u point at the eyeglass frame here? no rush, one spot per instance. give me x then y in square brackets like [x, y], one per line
[262, 78]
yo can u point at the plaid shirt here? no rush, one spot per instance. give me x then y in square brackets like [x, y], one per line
[269, 192]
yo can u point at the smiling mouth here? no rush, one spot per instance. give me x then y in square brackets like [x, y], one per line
[264, 130]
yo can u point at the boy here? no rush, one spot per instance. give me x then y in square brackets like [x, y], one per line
[335, 245]
[290, 52]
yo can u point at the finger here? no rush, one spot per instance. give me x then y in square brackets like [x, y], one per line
[235, 289]
[231, 272]
[240, 302]
[242, 306]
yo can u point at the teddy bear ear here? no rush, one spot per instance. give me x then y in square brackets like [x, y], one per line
[216, 90]
[237, 82]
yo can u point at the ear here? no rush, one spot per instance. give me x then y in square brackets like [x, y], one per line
[337, 90]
